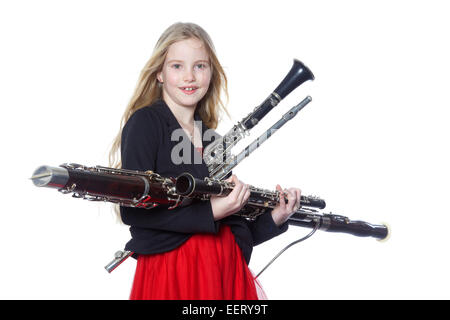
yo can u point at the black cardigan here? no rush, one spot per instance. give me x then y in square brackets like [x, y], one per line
[146, 145]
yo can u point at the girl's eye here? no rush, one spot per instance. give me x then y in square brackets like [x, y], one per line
[202, 66]
[176, 66]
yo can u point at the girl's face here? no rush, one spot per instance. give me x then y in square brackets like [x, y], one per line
[186, 73]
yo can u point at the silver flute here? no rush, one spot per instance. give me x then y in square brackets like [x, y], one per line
[217, 153]
[221, 170]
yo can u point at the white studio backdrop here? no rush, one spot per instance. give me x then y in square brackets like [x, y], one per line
[373, 142]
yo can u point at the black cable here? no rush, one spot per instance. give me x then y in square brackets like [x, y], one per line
[316, 227]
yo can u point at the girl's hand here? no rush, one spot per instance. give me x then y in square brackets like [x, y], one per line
[282, 212]
[224, 206]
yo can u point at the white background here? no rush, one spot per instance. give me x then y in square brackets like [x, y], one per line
[373, 142]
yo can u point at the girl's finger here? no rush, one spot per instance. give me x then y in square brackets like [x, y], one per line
[247, 194]
[282, 203]
[236, 189]
[297, 194]
[243, 196]
[292, 200]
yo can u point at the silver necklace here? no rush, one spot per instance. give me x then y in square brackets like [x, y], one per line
[190, 134]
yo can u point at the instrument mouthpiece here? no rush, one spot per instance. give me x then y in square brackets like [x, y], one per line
[388, 233]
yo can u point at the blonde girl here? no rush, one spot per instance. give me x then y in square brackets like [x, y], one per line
[201, 250]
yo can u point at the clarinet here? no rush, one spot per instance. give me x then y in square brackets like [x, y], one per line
[222, 170]
[217, 154]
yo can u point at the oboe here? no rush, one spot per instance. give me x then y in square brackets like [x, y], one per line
[260, 199]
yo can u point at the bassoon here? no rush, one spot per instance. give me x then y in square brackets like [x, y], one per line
[148, 189]
[139, 189]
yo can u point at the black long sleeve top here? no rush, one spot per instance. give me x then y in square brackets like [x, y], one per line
[147, 144]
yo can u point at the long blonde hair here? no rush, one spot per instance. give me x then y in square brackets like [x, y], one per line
[148, 90]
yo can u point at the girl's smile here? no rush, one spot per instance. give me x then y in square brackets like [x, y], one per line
[189, 90]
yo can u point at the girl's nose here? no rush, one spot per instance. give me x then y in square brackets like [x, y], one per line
[189, 75]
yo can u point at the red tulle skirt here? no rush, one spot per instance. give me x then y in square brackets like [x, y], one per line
[207, 266]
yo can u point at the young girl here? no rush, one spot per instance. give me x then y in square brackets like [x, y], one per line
[202, 250]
